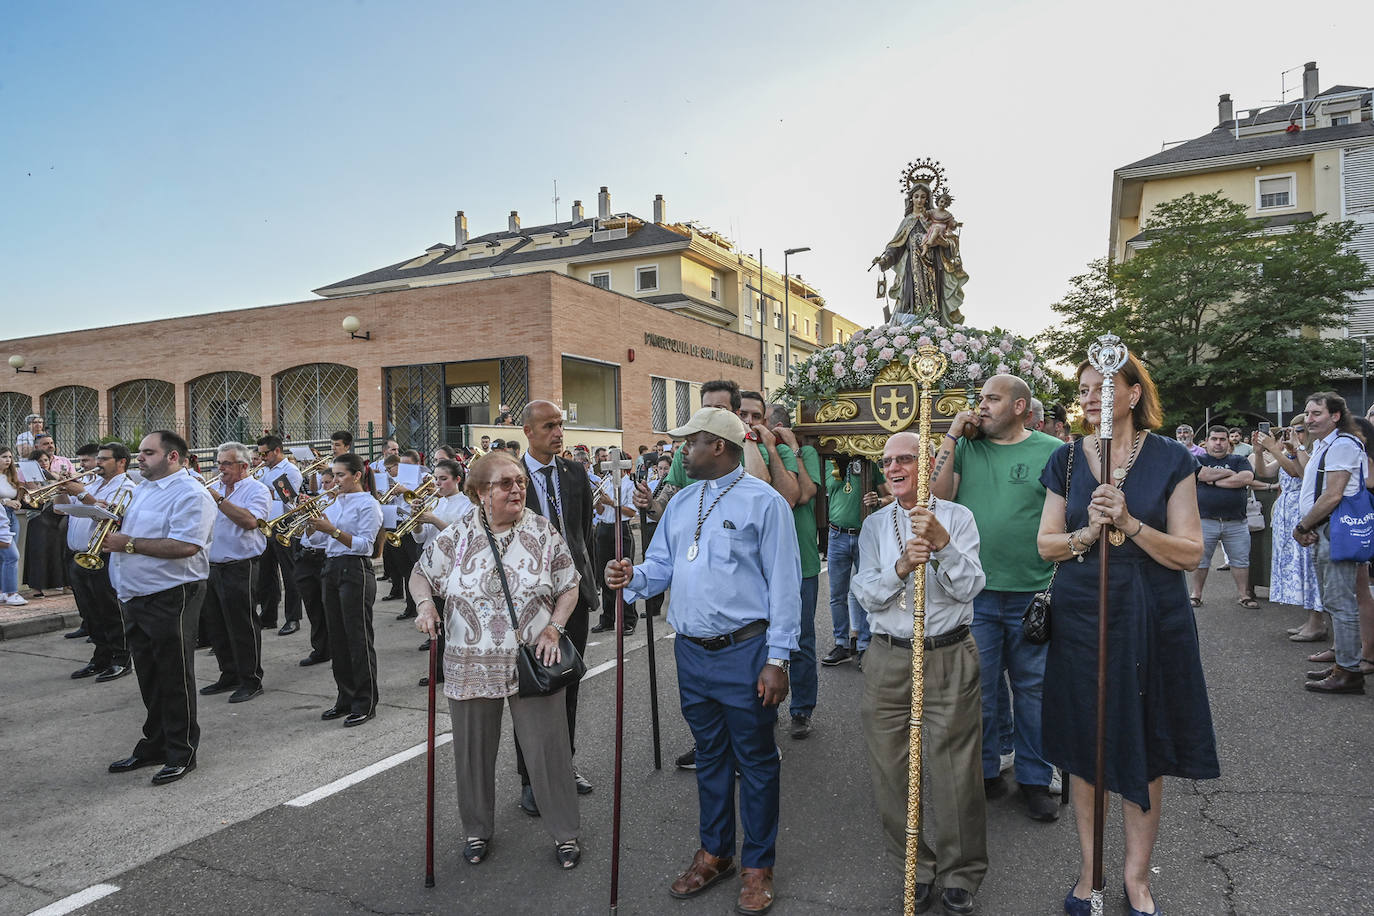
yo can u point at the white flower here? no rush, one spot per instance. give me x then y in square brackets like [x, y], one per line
[813, 373]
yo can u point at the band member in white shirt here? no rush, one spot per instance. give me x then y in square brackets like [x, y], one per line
[353, 522]
[95, 597]
[451, 506]
[158, 565]
[277, 557]
[237, 543]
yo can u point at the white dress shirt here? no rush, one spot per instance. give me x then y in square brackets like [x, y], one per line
[283, 467]
[953, 575]
[177, 507]
[79, 529]
[230, 542]
[1343, 452]
[606, 514]
[450, 509]
[357, 514]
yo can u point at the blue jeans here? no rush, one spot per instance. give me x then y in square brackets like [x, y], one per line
[9, 557]
[997, 631]
[804, 682]
[842, 557]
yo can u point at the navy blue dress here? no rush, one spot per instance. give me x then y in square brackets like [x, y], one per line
[1158, 719]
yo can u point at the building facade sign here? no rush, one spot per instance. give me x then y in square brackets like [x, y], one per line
[690, 349]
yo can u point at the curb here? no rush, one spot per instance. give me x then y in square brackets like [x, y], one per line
[62, 620]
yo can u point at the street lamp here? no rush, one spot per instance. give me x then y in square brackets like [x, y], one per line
[351, 324]
[787, 312]
[17, 364]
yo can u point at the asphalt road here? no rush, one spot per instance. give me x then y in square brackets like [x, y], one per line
[1286, 830]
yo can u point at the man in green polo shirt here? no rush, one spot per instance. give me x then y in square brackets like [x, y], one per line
[845, 502]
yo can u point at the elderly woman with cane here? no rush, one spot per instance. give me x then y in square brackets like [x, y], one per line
[1157, 717]
[464, 568]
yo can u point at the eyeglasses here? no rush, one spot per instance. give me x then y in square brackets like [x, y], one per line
[510, 483]
[903, 460]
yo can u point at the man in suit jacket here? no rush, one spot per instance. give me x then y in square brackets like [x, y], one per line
[560, 491]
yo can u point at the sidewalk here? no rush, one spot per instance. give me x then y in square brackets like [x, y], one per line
[40, 615]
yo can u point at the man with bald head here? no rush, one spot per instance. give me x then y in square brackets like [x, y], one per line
[560, 491]
[893, 541]
[995, 472]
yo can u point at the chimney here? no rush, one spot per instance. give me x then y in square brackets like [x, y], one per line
[513, 223]
[603, 204]
[460, 228]
[1309, 81]
[577, 214]
[1225, 111]
[660, 209]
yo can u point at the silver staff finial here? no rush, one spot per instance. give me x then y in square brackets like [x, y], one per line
[1107, 356]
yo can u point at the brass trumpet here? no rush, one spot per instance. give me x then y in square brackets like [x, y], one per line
[316, 466]
[291, 522]
[412, 520]
[93, 556]
[41, 496]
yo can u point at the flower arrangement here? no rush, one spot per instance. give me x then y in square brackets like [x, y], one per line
[974, 356]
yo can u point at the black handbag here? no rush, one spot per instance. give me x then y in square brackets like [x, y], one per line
[536, 678]
[1035, 622]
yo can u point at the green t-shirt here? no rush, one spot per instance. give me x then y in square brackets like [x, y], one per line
[805, 516]
[677, 474]
[1000, 484]
[846, 509]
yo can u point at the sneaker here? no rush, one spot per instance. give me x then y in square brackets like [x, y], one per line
[15, 599]
[838, 656]
[1007, 762]
[688, 761]
[1040, 805]
[1056, 784]
[801, 727]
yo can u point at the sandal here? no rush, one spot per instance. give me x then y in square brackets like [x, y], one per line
[1367, 666]
[569, 854]
[475, 850]
[1325, 656]
[1196, 602]
[1308, 637]
[1248, 602]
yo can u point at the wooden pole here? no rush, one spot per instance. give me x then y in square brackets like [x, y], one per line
[615, 468]
[429, 764]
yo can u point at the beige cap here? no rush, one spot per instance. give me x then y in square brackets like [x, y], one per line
[714, 420]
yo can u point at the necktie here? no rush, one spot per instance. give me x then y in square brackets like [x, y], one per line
[554, 512]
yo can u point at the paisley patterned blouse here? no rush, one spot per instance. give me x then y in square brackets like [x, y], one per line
[479, 655]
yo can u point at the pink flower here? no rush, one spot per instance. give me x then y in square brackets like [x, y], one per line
[1026, 363]
[959, 357]
[812, 373]
[939, 331]
[975, 371]
[860, 364]
[923, 341]
[959, 338]
[880, 342]
[901, 340]
[908, 353]
[839, 368]
[946, 346]
[1006, 345]
[886, 353]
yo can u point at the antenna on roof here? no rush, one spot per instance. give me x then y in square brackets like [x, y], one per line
[555, 200]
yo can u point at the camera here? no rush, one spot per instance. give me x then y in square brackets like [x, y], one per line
[1265, 427]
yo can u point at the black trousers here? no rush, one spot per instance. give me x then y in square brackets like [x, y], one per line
[350, 588]
[578, 628]
[99, 607]
[402, 561]
[160, 629]
[229, 624]
[604, 547]
[278, 559]
[309, 574]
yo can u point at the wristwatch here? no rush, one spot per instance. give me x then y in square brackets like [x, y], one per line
[783, 663]
[129, 547]
[562, 630]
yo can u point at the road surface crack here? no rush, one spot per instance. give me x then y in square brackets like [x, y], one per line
[306, 888]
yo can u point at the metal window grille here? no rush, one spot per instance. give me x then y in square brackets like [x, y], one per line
[316, 400]
[515, 383]
[14, 407]
[477, 394]
[224, 406]
[684, 403]
[658, 403]
[73, 415]
[414, 406]
[141, 406]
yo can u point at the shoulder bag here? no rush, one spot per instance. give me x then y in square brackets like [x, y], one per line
[1035, 622]
[1351, 529]
[536, 678]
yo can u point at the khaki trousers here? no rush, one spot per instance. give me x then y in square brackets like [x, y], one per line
[541, 726]
[953, 848]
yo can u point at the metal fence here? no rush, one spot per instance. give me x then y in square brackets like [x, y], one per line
[515, 383]
[73, 416]
[415, 405]
[315, 400]
[224, 406]
[141, 406]
[14, 407]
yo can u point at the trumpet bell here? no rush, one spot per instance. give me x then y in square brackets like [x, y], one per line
[90, 561]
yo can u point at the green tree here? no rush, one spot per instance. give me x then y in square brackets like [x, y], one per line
[1216, 308]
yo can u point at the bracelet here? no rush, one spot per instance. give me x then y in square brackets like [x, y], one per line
[1076, 548]
[562, 630]
[952, 436]
[1138, 528]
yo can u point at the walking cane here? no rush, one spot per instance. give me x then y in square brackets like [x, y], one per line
[649, 635]
[615, 467]
[429, 762]
[1107, 356]
[928, 365]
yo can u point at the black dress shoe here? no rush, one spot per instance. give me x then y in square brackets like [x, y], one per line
[584, 785]
[995, 787]
[603, 627]
[78, 633]
[357, 718]
[313, 660]
[957, 901]
[527, 803]
[424, 646]
[244, 694]
[394, 597]
[113, 673]
[267, 624]
[88, 671]
[131, 763]
[630, 630]
[333, 712]
[220, 686]
[172, 774]
[925, 896]
[424, 681]
[406, 615]
[291, 626]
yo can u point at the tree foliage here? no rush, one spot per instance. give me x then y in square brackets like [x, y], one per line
[1217, 309]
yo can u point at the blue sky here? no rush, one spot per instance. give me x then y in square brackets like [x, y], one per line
[162, 159]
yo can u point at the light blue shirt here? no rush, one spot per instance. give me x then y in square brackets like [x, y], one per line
[746, 570]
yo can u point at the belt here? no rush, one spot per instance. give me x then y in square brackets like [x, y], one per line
[625, 521]
[232, 562]
[716, 643]
[931, 642]
[844, 530]
[313, 551]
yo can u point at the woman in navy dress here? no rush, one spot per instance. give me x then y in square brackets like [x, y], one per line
[1158, 719]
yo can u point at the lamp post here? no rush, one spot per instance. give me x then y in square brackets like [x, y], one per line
[787, 312]
[17, 364]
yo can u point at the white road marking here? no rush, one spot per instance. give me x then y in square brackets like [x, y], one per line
[76, 901]
[352, 779]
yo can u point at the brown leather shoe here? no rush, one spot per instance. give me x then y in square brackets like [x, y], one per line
[1338, 681]
[1322, 674]
[705, 870]
[756, 891]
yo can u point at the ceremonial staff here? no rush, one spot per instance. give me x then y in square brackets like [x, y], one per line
[1107, 356]
[615, 467]
[928, 365]
[429, 762]
[649, 635]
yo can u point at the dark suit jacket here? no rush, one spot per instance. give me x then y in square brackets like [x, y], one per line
[576, 490]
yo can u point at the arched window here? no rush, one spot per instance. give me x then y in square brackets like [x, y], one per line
[73, 415]
[223, 407]
[141, 406]
[14, 407]
[315, 400]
